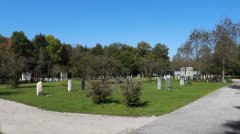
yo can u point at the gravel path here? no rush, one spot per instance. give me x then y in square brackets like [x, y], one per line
[216, 113]
[17, 118]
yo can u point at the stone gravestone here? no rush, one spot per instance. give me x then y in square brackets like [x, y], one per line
[39, 88]
[46, 79]
[159, 83]
[69, 85]
[168, 84]
[182, 81]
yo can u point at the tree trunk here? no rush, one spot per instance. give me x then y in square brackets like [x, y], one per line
[82, 84]
[223, 69]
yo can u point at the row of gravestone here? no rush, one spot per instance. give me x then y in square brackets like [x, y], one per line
[168, 82]
[203, 77]
[39, 87]
[53, 79]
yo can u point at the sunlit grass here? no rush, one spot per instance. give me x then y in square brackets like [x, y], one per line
[154, 102]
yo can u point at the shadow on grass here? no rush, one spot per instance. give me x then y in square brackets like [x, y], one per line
[109, 101]
[47, 94]
[234, 125]
[234, 86]
[143, 104]
[27, 86]
[8, 93]
[33, 86]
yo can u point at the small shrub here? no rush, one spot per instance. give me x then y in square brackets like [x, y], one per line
[99, 90]
[131, 92]
[13, 83]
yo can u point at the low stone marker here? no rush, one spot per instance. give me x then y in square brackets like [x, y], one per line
[39, 88]
[69, 85]
[159, 83]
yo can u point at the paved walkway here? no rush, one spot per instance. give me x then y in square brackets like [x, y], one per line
[17, 118]
[216, 113]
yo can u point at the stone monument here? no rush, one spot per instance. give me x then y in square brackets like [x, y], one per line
[70, 85]
[39, 88]
[159, 83]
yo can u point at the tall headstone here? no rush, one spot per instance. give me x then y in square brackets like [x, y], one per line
[39, 88]
[168, 84]
[182, 81]
[159, 83]
[69, 85]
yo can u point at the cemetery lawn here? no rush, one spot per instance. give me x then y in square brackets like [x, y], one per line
[153, 102]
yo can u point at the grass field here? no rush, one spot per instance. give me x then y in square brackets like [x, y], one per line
[154, 102]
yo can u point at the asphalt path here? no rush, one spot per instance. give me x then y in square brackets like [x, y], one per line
[216, 113]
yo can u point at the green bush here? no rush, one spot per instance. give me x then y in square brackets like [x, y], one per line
[99, 90]
[14, 82]
[131, 92]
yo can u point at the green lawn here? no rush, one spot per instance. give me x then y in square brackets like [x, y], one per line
[154, 102]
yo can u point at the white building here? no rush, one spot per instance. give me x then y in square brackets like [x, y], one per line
[64, 76]
[186, 72]
[26, 76]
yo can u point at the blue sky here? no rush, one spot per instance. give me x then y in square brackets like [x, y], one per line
[88, 22]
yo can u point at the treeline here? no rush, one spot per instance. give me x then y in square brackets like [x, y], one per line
[215, 51]
[45, 56]
[212, 52]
